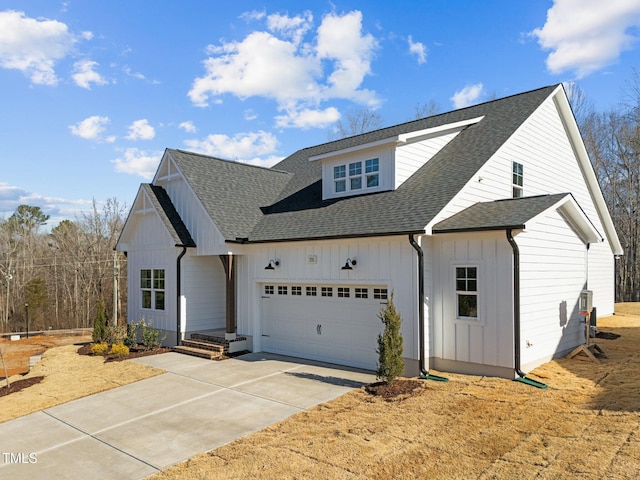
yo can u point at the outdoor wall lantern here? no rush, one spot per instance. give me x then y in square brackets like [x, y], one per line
[349, 264]
[272, 265]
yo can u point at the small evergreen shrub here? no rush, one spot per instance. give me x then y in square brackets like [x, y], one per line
[116, 334]
[150, 336]
[131, 338]
[100, 348]
[390, 344]
[119, 350]
[99, 334]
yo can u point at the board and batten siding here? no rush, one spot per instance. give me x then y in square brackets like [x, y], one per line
[542, 146]
[203, 292]
[150, 247]
[468, 346]
[388, 261]
[553, 272]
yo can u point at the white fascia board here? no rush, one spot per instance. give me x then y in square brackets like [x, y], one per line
[357, 148]
[436, 131]
[121, 244]
[566, 114]
[401, 139]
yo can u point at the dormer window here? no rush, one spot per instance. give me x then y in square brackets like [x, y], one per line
[358, 177]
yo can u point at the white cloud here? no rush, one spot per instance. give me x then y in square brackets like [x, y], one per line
[188, 126]
[244, 147]
[90, 128]
[277, 64]
[141, 130]
[138, 162]
[587, 35]
[11, 197]
[418, 49]
[467, 96]
[85, 74]
[33, 46]
[306, 118]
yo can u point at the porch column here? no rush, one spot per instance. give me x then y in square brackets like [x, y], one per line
[229, 264]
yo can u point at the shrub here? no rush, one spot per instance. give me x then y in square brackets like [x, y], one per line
[116, 334]
[119, 350]
[99, 334]
[131, 339]
[100, 348]
[150, 336]
[390, 344]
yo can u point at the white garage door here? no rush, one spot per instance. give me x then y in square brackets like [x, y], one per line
[331, 323]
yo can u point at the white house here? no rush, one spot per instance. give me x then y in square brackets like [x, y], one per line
[486, 223]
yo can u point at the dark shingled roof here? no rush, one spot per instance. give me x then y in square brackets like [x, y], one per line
[169, 216]
[285, 202]
[231, 192]
[499, 214]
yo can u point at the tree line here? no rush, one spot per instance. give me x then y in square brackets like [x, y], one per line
[57, 279]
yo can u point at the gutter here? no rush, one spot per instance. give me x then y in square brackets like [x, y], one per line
[516, 315]
[179, 293]
[424, 373]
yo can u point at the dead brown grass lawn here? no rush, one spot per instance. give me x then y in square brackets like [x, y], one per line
[67, 376]
[586, 425]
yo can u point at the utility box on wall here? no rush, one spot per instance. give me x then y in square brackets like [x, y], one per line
[586, 301]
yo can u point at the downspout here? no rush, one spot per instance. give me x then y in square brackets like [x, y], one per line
[516, 314]
[424, 373]
[179, 294]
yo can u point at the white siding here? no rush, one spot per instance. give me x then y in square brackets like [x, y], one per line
[552, 274]
[489, 339]
[410, 157]
[390, 261]
[203, 290]
[542, 146]
[385, 157]
[150, 246]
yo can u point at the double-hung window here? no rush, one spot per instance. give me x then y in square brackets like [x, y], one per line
[355, 175]
[518, 179]
[371, 169]
[467, 293]
[153, 288]
[339, 178]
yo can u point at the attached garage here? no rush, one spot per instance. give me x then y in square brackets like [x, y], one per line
[331, 323]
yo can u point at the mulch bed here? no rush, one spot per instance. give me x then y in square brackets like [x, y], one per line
[18, 385]
[398, 390]
[133, 353]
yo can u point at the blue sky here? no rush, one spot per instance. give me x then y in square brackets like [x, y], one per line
[94, 91]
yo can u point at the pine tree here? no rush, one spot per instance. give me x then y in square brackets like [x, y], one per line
[390, 344]
[100, 324]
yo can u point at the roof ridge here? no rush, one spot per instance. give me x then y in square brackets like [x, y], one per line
[237, 162]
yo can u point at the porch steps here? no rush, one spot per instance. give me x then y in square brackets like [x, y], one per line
[199, 348]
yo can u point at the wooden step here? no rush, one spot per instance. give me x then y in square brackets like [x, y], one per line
[198, 352]
[203, 345]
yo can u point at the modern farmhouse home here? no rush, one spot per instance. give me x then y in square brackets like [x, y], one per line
[485, 223]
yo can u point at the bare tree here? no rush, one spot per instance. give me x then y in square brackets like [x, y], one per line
[355, 123]
[426, 109]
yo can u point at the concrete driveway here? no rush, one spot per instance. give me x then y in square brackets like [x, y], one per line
[139, 429]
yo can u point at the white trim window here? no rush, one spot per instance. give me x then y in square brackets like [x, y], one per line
[152, 285]
[517, 179]
[359, 177]
[467, 292]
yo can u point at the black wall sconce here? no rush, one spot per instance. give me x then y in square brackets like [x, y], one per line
[349, 264]
[272, 265]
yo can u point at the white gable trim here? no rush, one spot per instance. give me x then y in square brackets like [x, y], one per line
[571, 127]
[402, 139]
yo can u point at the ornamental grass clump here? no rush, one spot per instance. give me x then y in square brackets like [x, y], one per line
[390, 344]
